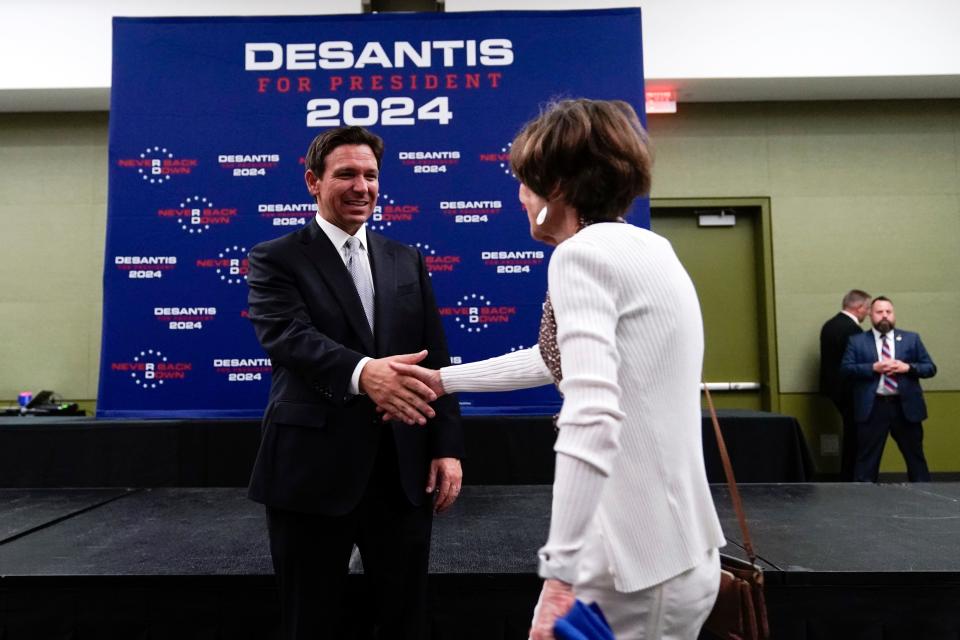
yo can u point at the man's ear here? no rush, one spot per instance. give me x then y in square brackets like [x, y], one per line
[313, 182]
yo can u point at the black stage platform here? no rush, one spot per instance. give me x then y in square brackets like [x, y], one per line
[843, 561]
[84, 452]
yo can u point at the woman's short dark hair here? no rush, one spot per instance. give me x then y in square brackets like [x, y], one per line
[592, 153]
[330, 139]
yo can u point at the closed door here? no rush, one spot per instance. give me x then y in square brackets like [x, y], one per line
[725, 264]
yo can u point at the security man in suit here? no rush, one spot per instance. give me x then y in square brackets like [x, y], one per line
[833, 342]
[886, 365]
[332, 304]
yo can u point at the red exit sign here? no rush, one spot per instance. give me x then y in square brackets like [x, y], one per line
[661, 101]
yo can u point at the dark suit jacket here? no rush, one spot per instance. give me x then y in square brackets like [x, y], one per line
[833, 342]
[858, 362]
[318, 442]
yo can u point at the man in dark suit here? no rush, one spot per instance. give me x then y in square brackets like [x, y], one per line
[833, 342]
[332, 304]
[886, 366]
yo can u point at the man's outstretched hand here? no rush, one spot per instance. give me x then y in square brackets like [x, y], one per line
[402, 397]
[429, 377]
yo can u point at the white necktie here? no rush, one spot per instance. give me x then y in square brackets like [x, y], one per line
[359, 269]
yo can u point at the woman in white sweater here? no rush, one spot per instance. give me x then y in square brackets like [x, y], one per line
[633, 525]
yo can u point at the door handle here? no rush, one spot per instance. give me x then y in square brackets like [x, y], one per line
[731, 386]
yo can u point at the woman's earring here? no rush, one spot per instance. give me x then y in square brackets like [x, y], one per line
[542, 215]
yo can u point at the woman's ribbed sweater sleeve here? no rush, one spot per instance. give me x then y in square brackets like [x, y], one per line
[518, 370]
[583, 289]
[576, 491]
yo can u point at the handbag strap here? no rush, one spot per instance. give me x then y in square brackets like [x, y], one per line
[731, 481]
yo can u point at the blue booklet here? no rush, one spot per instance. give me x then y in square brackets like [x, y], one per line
[584, 622]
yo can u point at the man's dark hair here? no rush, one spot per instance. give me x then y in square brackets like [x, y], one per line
[324, 144]
[880, 299]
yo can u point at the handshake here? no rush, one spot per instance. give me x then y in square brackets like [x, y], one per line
[401, 389]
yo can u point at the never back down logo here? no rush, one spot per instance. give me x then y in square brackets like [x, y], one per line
[437, 262]
[473, 313]
[157, 165]
[230, 265]
[150, 369]
[499, 159]
[387, 213]
[196, 214]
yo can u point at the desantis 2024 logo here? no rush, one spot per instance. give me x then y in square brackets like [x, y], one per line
[157, 165]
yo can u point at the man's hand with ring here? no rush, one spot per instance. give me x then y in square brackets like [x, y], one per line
[445, 479]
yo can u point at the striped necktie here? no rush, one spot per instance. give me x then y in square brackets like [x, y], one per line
[359, 270]
[889, 380]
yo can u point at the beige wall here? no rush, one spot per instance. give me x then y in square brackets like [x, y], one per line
[863, 194]
[53, 185]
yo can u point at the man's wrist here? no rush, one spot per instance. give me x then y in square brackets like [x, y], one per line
[354, 388]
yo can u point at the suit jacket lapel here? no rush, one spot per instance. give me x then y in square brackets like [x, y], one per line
[383, 263]
[900, 344]
[327, 260]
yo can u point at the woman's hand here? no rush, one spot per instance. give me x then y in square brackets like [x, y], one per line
[429, 377]
[556, 600]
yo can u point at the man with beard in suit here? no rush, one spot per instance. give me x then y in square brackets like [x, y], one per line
[886, 365]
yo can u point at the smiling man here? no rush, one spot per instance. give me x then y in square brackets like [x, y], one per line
[333, 304]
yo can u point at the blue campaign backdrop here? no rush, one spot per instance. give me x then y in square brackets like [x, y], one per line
[209, 122]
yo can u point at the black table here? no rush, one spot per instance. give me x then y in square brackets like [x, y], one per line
[763, 447]
[85, 452]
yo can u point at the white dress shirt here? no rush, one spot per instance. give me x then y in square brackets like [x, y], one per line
[339, 238]
[851, 316]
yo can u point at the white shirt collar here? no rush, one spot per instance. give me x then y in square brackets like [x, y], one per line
[850, 315]
[338, 236]
[877, 334]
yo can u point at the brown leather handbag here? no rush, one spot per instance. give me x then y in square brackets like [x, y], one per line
[740, 612]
